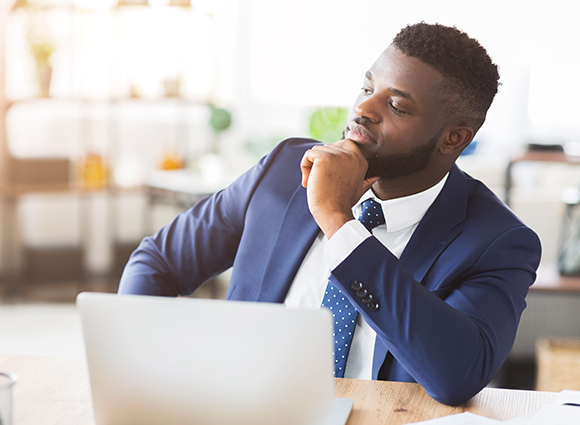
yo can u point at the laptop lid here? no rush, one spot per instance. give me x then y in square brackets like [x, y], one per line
[156, 360]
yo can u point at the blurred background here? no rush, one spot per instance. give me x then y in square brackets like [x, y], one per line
[116, 115]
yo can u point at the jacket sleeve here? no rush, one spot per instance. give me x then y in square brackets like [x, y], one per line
[199, 244]
[452, 342]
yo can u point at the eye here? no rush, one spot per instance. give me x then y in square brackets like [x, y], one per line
[395, 109]
[366, 91]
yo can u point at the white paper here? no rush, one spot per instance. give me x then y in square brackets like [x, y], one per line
[564, 411]
[552, 414]
[568, 396]
[557, 415]
[465, 418]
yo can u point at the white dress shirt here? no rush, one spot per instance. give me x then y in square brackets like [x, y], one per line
[402, 216]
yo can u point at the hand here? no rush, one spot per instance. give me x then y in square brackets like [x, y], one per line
[334, 176]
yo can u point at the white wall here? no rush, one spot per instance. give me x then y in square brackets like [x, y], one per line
[313, 53]
[278, 60]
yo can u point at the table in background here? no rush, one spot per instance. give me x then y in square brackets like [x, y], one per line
[53, 391]
[536, 156]
[549, 279]
[182, 188]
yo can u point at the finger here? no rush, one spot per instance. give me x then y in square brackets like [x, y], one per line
[306, 166]
[305, 175]
[349, 145]
[329, 148]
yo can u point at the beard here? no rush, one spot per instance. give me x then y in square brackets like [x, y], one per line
[400, 164]
[392, 166]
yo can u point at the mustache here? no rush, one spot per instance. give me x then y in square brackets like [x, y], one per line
[363, 122]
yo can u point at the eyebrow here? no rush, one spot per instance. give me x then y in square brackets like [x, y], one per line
[396, 92]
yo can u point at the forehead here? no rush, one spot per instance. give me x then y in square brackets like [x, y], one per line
[395, 70]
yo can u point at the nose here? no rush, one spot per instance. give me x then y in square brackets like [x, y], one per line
[369, 109]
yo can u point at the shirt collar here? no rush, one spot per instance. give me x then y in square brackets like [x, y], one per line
[401, 213]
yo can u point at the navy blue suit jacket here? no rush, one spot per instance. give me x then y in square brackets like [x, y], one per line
[448, 309]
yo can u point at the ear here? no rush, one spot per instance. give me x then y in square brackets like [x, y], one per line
[457, 139]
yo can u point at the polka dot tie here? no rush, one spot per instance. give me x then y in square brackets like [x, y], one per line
[342, 310]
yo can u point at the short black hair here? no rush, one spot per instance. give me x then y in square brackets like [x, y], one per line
[471, 79]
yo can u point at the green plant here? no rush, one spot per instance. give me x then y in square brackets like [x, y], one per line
[220, 119]
[42, 50]
[327, 124]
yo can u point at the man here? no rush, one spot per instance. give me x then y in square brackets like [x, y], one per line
[438, 290]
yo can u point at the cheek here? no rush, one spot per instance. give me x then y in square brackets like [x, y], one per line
[401, 137]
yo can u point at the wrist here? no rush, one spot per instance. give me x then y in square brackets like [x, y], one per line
[332, 222]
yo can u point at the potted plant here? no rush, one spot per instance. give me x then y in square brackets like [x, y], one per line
[40, 46]
[42, 50]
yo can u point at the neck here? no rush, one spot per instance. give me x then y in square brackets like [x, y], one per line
[407, 185]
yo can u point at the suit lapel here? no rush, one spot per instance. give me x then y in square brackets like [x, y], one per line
[438, 228]
[296, 235]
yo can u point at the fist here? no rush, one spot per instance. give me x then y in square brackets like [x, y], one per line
[334, 177]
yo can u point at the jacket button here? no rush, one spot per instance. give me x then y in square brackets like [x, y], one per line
[362, 293]
[356, 285]
[373, 306]
[368, 299]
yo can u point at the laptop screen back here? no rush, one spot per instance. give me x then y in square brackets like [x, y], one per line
[155, 360]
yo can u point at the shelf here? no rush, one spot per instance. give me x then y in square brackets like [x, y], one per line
[103, 55]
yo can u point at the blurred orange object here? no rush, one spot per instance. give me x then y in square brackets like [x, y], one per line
[94, 171]
[171, 161]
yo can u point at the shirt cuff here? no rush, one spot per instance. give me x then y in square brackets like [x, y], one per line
[344, 242]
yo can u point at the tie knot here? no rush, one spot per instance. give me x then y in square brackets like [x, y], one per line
[371, 214]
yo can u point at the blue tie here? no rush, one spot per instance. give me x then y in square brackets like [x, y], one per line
[342, 310]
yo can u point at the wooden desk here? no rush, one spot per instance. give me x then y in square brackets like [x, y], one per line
[49, 390]
[397, 403]
[53, 391]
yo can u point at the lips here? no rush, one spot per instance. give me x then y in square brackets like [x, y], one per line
[358, 134]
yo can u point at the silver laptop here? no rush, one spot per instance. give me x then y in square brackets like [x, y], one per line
[155, 360]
